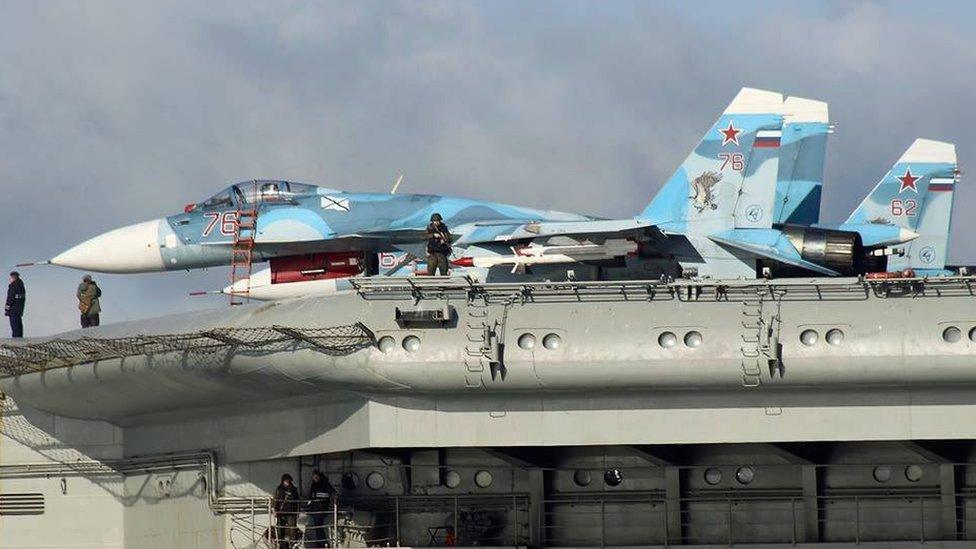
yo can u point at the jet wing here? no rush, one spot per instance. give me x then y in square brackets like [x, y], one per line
[768, 243]
[380, 240]
[599, 229]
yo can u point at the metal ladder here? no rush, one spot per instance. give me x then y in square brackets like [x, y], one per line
[481, 349]
[760, 342]
[242, 255]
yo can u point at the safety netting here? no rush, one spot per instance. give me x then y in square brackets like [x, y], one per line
[55, 353]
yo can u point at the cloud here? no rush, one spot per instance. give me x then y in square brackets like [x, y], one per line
[116, 113]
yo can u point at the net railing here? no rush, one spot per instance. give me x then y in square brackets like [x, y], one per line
[59, 353]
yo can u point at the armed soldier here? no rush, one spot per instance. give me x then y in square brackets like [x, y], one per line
[438, 246]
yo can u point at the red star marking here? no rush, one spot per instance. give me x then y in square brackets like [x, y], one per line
[730, 135]
[908, 181]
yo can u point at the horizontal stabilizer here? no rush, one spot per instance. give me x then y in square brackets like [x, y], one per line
[770, 244]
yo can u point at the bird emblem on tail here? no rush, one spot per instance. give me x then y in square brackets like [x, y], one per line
[703, 197]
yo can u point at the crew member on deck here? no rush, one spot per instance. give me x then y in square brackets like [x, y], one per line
[88, 302]
[438, 246]
[286, 508]
[16, 299]
[321, 498]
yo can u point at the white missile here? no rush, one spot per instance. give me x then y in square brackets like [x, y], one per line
[260, 287]
[548, 255]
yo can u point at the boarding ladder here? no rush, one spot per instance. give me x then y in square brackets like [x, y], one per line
[242, 255]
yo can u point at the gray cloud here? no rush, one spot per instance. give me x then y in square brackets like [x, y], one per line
[114, 113]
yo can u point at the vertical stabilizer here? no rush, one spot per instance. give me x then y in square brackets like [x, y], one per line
[803, 150]
[917, 194]
[729, 179]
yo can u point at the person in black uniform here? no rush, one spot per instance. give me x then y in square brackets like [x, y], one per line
[321, 495]
[286, 507]
[14, 309]
[438, 246]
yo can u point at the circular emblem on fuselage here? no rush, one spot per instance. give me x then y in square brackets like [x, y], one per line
[927, 254]
[754, 213]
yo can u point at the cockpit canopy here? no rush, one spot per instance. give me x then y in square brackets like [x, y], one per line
[257, 192]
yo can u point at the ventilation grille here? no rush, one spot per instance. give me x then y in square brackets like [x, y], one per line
[21, 504]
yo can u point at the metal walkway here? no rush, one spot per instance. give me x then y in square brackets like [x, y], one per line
[786, 289]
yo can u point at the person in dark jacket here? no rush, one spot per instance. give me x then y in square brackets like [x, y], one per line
[438, 246]
[88, 302]
[14, 309]
[286, 508]
[321, 497]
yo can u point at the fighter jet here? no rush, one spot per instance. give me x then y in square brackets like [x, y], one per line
[298, 226]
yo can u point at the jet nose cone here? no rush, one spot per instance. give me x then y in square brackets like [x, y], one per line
[132, 249]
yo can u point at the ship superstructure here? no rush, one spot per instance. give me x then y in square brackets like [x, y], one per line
[538, 414]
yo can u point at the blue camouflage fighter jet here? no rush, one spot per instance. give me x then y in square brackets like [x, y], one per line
[733, 207]
[292, 219]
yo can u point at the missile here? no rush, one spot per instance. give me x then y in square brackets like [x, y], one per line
[261, 288]
[548, 255]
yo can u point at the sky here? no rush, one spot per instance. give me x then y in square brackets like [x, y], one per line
[113, 113]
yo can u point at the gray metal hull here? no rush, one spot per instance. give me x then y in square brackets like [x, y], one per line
[613, 356]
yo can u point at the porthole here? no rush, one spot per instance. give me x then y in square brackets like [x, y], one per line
[834, 337]
[411, 344]
[386, 344]
[667, 340]
[951, 334]
[552, 341]
[452, 479]
[375, 480]
[713, 476]
[972, 334]
[693, 339]
[914, 473]
[745, 475]
[483, 479]
[582, 477]
[613, 477]
[809, 337]
[882, 473]
[526, 341]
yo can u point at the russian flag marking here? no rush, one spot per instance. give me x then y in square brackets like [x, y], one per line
[941, 184]
[767, 139]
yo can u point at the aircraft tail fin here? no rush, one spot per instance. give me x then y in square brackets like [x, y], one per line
[803, 150]
[936, 189]
[729, 180]
[901, 194]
